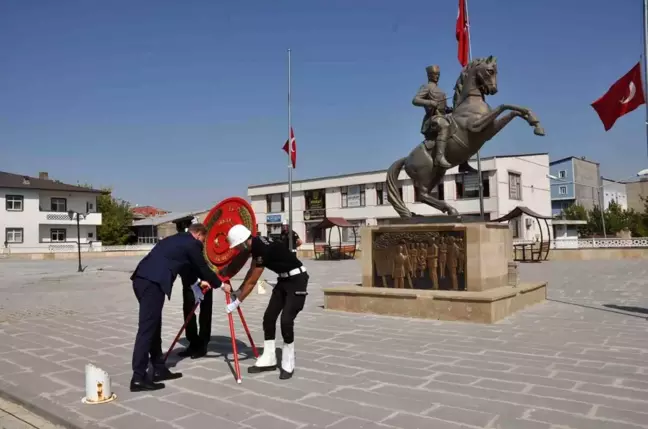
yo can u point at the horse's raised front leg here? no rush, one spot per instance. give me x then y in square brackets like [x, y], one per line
[499, 124]
[480, 124]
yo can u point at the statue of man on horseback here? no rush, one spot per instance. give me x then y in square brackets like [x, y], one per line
[435, 126]
[453, 138]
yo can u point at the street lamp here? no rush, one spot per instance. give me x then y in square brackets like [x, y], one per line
[72, 213]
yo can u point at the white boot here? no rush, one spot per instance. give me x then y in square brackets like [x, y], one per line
[287, 361]
[267, 361]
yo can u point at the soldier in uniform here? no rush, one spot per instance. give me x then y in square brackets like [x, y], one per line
[288, 296]
[296, 241]
[435, 126]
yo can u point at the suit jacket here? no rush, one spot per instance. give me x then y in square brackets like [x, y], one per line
[170, 256]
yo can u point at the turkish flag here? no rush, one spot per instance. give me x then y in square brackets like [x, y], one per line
[463, 34]
[624, 96]
[292, 149]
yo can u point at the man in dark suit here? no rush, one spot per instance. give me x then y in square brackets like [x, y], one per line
[152, 280]
[198, 340]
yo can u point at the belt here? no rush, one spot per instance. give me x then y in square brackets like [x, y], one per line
[292, 272]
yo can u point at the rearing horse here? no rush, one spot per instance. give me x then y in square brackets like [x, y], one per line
[472, 123]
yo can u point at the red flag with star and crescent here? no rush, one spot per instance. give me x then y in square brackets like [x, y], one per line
[291, 148]
[624, 96]
[462, 34]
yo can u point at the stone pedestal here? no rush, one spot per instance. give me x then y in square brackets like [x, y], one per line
[447, 271]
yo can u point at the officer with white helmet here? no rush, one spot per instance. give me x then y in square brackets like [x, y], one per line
[288, 296]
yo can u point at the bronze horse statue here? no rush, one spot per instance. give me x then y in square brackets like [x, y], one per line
[471, 124]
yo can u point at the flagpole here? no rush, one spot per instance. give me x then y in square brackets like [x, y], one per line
[645, 62]
[479, 169]
[290, 167]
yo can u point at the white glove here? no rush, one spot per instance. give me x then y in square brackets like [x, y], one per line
[233, 305]
[197, 291]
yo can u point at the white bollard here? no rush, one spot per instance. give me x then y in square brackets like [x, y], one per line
[98, 388]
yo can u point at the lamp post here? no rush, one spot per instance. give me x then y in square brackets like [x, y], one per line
[72, 214]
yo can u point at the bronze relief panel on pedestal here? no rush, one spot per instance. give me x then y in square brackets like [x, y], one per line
[420, 260]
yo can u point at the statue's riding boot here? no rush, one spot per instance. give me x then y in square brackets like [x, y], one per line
[267, 361]
[440, 159]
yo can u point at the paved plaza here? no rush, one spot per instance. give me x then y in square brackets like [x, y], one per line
[578, 361]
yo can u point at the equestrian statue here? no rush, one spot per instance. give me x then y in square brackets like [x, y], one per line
[453, 136]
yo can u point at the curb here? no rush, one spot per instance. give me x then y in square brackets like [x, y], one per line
[44, 408]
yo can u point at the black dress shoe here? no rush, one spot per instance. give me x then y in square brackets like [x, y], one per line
[189, 351]
[165, 374]
[199, 353]
[285, 375]
[144, 386]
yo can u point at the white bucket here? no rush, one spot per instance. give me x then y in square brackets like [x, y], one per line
[98, 387]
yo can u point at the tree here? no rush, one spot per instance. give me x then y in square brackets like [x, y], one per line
[116, 220]
[578, 212]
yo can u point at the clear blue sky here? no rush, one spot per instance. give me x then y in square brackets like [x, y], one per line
[179, 104]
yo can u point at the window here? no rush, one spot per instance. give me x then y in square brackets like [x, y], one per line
[437, 193]
[353, 196]
[14, 235]
[381, 193]
[89, 207]
[58, 235]
[562, 190]
[91, 235]
[515, 186]
[312, 235]
[350, 234]
[275, 203]
[514, 226]
[468, 185]
[14, 203]
[562, 174]
[58, 205]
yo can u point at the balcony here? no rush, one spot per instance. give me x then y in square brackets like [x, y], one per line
[62, 218]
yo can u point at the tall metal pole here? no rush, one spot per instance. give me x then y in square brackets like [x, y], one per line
[645, 61]
[80, 269]
[479, 169]
[290, 167]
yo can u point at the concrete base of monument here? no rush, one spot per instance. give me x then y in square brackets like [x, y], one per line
[487, 306]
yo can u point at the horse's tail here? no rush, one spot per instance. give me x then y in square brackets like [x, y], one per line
[393, 195]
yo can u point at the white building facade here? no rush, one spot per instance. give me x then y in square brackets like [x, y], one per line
[361, 198]
[35, 214]
[614, 191]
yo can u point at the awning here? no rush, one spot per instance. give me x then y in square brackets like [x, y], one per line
[519, 211]
[330, 222]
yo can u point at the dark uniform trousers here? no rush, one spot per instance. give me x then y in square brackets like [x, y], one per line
[288, 298]
[204, 318]
[148, 342]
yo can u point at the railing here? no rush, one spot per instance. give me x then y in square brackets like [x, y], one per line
[594, 243]
[72, 248]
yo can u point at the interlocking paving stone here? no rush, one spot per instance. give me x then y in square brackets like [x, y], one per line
[570, 362]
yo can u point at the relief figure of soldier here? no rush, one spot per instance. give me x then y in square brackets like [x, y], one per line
[422, 259]
[443, 256]
[400, 268]
[433, 262]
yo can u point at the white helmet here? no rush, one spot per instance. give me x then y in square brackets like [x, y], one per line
[237, 235]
